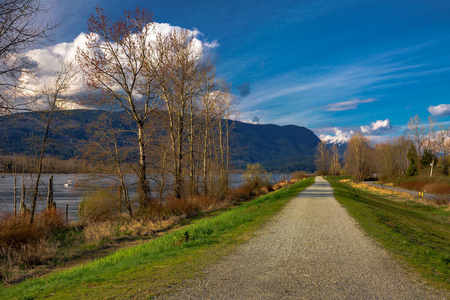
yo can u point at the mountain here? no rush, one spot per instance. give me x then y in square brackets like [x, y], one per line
[277, 148]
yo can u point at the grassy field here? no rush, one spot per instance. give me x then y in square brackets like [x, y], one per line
[417, 233]
[157, 266]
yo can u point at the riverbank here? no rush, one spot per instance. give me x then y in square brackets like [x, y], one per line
[153, 267]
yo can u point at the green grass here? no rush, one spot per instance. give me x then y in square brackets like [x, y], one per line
[156, 266]
[416, 233]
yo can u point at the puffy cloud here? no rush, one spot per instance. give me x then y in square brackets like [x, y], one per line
[441, 110]
[347, 105]
[339, 136]
[48, 60]
[376, 127]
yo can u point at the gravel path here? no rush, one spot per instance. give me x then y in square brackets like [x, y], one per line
[311, 250]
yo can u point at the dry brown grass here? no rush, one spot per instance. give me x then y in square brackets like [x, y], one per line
[397, 196]
[189, 206]
[437, 188]
[23, 245]
[99, 206]
[109, 230]
[299, 175]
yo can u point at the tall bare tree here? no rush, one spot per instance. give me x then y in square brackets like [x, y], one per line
[322, 158]
[19, 30]
[335, 164]
[116, 62]
[443, 146]
[55, 98]
[400, 155]
[182, 66]
[432, 142]
[418, 134]
[357, 156]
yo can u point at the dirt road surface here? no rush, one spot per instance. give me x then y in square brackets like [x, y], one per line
[312, 249]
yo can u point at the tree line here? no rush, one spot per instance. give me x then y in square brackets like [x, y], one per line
[424, 149]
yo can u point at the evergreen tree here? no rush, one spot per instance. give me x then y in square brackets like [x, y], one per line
[412, 161]
[428, 158]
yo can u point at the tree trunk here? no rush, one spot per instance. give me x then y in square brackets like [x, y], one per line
[50, 203]
[192, 182]
[144, 187]
[23, 207]
[15, 188]
[41, 157]
[205, 159]
[179, 159]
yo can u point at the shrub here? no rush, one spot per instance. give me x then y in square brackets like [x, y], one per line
[242, 193]
[189, 206]
[437, 188]
[99, 206]
[299, 175]
[22, 244]
[255, 178]
[16, 231]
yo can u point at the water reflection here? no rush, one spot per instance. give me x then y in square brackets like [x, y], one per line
[73, 195]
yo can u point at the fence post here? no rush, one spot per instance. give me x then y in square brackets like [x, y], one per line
[67, 213]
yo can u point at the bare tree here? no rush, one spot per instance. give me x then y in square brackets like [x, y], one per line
[322, 158]
[432, 142]
[182, 66]
[401, 146]
[106, 148]
[116, 63]
[335, 164]
[55, 97]
[418, 134]
[19, 30]
[357, 156]
[384, 154]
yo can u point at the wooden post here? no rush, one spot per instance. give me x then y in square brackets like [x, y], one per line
[15, 187]
[50, 203]
[67, 213]
[23, 207]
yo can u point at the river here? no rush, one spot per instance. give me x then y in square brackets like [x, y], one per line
[72, 196]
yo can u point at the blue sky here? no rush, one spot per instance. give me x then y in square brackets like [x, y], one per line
[331, 66]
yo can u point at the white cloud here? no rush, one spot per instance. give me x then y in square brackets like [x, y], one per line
[48, 59]
[376, 127]
[441, 110]
[347, 105]
[339, 136]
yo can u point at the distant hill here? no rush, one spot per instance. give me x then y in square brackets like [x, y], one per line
[277, 148]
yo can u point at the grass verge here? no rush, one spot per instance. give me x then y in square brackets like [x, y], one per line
[414, 232]
[155, 267]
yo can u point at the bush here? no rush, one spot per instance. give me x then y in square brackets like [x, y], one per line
[99, 206]
[255, 178]
[22, 244]
[189, 206]
[299, 175]
[16, 231]
[242, 193]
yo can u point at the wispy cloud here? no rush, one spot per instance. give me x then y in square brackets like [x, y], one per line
[347, 105]
[441, 110]
[330, 87]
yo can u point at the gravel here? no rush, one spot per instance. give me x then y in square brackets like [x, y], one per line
[312, 249]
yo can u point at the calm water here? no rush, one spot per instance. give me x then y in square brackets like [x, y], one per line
[74, 195]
